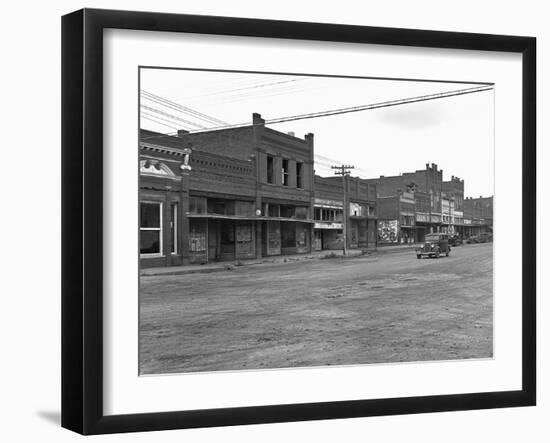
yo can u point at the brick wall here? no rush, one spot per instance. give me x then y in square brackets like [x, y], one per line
[427, 180]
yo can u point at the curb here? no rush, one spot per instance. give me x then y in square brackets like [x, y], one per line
[230, 266]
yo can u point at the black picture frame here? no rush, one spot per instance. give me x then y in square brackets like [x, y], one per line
[82, 218]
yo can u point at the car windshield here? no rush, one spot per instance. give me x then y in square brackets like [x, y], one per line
[432, 237]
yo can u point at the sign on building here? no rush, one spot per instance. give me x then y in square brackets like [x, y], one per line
[387, 231]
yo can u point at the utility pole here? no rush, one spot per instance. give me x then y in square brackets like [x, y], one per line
[344, 171]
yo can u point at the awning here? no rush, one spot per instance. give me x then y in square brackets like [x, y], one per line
[244, 217]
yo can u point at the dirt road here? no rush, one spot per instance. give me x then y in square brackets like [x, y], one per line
[386, 308]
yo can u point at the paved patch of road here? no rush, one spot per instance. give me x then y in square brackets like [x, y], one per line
[386, 308]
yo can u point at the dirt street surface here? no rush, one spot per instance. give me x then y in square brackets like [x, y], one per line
[386, 308]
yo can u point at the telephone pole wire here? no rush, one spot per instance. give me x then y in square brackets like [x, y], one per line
[344, 171]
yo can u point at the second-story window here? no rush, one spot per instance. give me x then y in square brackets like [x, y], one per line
[284, 171]
[299, 175]
[270, 169]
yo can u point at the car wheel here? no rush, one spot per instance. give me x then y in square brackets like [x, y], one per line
[418, 256]
[437, 254]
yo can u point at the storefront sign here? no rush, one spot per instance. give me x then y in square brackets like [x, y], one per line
[387, 231]
[331, 204]
[422, 217]
[328, 225]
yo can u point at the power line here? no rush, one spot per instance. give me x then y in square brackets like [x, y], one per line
[261, 85]
[184, 109]
[237, 83]
[158, 111]
[366, 107]
[172, 124]
[157, 122]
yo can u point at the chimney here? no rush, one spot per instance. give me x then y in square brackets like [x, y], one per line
[257, 119]
[291, 133]
[182, 132]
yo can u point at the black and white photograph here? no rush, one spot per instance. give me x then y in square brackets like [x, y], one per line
[290, 220]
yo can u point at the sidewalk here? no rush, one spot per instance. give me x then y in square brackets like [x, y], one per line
[230, 265]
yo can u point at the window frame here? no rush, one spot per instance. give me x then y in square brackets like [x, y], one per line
[299, 175]
[160, 229]
[174, 220]
[285, 176]
[270, 171]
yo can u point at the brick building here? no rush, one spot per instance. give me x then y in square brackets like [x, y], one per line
[360, 212]
[427, 186]
[362, 226]
[396, 218]
[478, 216]
[447, 213]
[328, 214]
[226, 194]
[453, 192]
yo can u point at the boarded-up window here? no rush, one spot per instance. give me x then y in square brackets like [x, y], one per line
[244, 208]
[197, 236]
[299, 177]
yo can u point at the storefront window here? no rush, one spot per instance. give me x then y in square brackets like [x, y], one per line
[288, 211]
[197, 205]
[150, 228]
[301, 212]
[317, 213]
[273, 210]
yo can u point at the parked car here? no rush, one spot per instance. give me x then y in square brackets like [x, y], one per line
[434, 245]
[485, 237]
[455, 240]
[472, 239]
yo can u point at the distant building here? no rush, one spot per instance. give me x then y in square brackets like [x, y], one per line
[453, 192]
[478, 216]
[425, 186]
[224, 194]
[396, 218]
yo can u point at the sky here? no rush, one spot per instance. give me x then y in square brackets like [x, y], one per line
[456, 133]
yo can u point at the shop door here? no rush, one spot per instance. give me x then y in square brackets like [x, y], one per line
[227, 240]
[213, 240]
